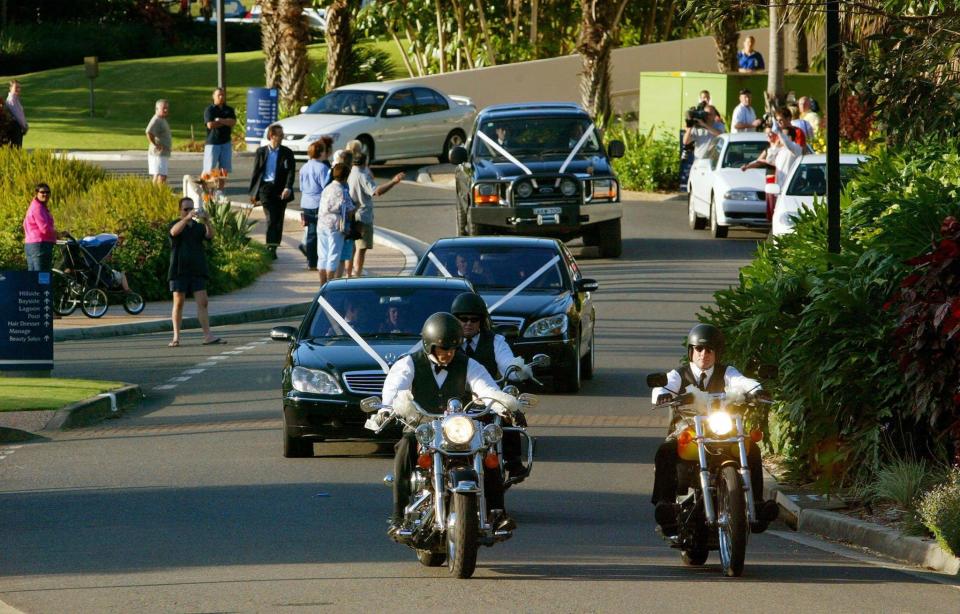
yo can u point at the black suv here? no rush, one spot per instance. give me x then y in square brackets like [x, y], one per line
[539, 169]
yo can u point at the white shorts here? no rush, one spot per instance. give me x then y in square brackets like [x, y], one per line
[158, 165]
[329, 249]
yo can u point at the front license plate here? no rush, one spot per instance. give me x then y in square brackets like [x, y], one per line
[547, 210]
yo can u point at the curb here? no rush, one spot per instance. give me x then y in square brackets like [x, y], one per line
[890, 543]
[134, 155]
[429, 175]
[22, 426]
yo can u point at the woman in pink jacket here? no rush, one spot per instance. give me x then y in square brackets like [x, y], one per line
[39, 233]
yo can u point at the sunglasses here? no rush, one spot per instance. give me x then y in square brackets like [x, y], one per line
[187, 209]
[469, 319]
[702, 348]
[44, 192]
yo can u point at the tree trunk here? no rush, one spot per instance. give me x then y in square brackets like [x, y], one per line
[649, 23]
[491, 56]
[667, 23]
[726, 37]
[442, 37]
[294, 37]
[534, 17]
[801, 60]
[775, 59]
[270, 28]
[421, 63]
[339, 44]
[598, 30]
[461, 33]
[403, 52]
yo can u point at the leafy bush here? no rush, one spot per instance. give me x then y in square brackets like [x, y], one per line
[940, 512]
[903, 481]
[650, 163]
[231, 226]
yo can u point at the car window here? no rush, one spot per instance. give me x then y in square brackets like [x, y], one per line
[543, 136]
[403, 100]
[500, 267]
[811, 179]
[740, 153]
[439, 102]
[426, 101]
[381, 311]
[349, 102]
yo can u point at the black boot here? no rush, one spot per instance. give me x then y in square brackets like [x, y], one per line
[767, 512]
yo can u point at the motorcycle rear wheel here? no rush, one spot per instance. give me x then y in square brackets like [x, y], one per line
[463, 527]
[431, 559]
[731, 522]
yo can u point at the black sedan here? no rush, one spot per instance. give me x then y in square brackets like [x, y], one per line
[327, 372]
[536, 295]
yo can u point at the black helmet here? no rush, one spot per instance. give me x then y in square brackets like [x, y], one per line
[705, 335]
[441, 329]
[469, 303]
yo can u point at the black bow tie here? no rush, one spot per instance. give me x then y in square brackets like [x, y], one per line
[438, 368]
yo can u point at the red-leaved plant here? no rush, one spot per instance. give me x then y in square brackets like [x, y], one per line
[928, 333]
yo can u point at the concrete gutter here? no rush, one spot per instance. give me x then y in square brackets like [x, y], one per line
[25, 425]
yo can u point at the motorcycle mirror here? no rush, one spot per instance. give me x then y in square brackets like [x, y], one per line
[657, 380]
[768, 371]
[540, 360]
[528, 400]
[454, 406]
[512, 391]
[283, 333]
[458, 155]
[370, 405]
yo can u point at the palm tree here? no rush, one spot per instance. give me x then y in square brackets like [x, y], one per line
[598, 32]
[725, 35]
[339, 43]
[270, 37]
[294, 36]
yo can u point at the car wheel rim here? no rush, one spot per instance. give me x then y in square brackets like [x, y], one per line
[455, 141]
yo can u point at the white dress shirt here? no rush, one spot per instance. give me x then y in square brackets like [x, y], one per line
[732, 380]
[501, 350]
[743, 114]
[400, 378]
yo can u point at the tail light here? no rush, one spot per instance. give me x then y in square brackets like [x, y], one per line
[491, 461]
[425, 461]
[756, 435]
[486, 194]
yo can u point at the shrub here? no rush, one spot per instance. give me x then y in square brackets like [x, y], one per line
[940, 512]
[903, 481]
[650, 163]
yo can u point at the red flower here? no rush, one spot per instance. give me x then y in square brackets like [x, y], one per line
[917, 261]
[950, 226]
[956, 399]
[948, 249]
[955, 307]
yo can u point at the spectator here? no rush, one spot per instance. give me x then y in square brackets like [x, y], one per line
[271, 184]
[802, 125]
[704, 98]
[15, 107]
[220, 120]
[807, 114]
[362, 190]
[345, 268]
[188, 270]
[161, 142]
[700, 134]
[39, 233]
[749, 59]
[785, 121]
[314, 176]
[778, 158]
[335, 204]
[744, 117]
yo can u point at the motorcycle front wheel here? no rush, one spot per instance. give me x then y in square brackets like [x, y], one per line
[731, 521]
[463, 527]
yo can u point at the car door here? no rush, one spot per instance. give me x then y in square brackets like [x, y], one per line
[702, 174]
[435, 120]
[397, 126]
[583, 301]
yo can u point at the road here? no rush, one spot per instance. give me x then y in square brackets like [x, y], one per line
[187, 505]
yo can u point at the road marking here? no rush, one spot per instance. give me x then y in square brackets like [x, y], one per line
[247, 347]
[165, 387]
[219, 357]
[194, 371]
[207, 363]
[179, 379]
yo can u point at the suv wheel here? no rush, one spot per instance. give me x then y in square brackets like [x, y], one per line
[610, 239]
[456, 138]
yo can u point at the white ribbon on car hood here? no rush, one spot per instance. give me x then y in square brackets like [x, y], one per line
[526, 282]
[336, 317]
[503, 152]
[576, 148]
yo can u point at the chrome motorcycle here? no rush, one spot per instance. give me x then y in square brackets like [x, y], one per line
[447, 519]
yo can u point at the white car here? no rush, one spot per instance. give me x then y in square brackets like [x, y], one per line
[807, 180]
[720, 193]
[236, 12]
[392, 120]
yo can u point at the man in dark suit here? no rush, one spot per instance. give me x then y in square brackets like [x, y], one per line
[272, 184]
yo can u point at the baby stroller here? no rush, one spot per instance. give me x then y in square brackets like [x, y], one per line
[83, 279]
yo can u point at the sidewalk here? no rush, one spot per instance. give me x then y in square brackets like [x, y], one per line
[284, 291]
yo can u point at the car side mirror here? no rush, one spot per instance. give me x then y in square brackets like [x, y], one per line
[540, 360]
[393, 112]
[657, 380]
[458, 155]
[304, 108]
[371, 405]
[772, 188]
[283, 333]
[616, 149]
[587, 285]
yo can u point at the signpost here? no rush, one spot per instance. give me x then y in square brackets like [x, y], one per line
[26, 321]
[92, 69]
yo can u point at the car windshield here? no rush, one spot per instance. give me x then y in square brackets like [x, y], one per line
[739, 153]
[811, 179]
[498, 267]
[386, 312]
[538, 136]
[349, 102]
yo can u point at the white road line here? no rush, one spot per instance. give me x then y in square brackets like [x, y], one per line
[246, 347]
[179, 379]
[207, 363]
[219, 357]
[193, 371]
[165, 387]
[232, 353]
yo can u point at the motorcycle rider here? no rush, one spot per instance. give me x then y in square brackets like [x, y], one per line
[430, 376]
[704, 371]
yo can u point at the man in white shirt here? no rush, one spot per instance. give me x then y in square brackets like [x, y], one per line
[15, 107]
[744, 117]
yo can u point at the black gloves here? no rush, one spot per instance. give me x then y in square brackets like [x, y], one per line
[762, 395]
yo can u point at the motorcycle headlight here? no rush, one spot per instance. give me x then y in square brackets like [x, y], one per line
[524, 189]
[740, 195]
[568, 187]
[547, 327]
[492, 433]
[458, 430]
[720, 422]
[424, 434]
[314, 380]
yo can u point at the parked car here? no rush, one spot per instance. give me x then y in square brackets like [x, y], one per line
[723, 195]
[539, 169]
[236, 12]
[326, 373]
[553, 315]
[392, 120]
[806, 181]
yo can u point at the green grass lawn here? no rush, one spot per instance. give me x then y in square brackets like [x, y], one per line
[36, 393]
[56, 101]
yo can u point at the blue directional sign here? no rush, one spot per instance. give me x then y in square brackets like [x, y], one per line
[26, 320]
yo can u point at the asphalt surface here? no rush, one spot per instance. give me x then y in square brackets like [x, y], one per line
[188, 506]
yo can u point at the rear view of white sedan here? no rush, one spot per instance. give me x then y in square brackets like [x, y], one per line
[806, 181]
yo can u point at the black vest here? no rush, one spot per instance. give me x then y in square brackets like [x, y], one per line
[425, 390]
[485, 354]
[715, 384]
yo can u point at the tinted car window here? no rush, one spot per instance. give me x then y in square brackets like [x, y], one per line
[499, 267]
[547, 136]
[738, 154]
[381, 311]
[811, 179]
[349, 102]
[403, 100]
[427, 101]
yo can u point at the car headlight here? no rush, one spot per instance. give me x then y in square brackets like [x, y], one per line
[486, 194]
[425, 434]
[458, 430]
[741, 195]
[604, 188]
[568, 187]
[547, 327]
[720, 422]
[314, 380]
[333, 135]
[492, 433]
[524, 189]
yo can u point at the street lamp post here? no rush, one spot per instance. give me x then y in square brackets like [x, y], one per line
[221, 48]
[833, 126]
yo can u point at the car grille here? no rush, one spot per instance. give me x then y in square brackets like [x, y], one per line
[547, 190]
[364, 382]
[507, 325]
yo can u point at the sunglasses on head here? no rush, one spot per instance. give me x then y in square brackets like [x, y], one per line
[469, 319]
[702, 348]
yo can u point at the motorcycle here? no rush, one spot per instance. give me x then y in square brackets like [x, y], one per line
[714, 499]
[447, 518]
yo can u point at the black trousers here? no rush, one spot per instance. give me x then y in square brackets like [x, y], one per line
[274, 210]
[665, 472]
[511, 443]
